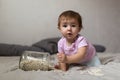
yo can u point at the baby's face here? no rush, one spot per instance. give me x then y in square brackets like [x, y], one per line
[69, 27]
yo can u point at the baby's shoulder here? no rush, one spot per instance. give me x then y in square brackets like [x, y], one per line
[81, 38]
[61, 41]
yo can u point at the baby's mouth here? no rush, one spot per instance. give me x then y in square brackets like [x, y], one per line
[69, 34]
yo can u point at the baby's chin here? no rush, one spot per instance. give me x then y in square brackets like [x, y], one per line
[69, 37]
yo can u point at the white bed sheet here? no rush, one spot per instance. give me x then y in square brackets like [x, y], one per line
[109, 71]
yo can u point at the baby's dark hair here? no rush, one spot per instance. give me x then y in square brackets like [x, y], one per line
[71, 14]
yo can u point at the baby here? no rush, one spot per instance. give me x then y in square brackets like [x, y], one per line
[74, 48]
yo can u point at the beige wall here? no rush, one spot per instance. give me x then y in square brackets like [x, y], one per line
[28, 21]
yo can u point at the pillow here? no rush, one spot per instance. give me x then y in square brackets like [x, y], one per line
[99, 48]
[49, 45]
[16, 50]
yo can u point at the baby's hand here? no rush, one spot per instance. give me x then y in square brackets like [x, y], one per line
[61, 57]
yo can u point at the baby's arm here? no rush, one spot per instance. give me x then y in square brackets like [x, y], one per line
[76, 58]
[61, 58]
[63, 66]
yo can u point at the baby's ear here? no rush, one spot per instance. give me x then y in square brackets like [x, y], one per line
[58, 27]
[79, 29]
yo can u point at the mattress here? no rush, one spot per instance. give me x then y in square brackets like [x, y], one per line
[109, 70]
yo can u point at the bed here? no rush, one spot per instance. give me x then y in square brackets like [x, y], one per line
[9, 65]
[109, 70]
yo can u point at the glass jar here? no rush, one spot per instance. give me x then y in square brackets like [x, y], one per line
[32, 60]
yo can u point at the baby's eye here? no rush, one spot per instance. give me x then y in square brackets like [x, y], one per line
[73, 25]
[64, 25]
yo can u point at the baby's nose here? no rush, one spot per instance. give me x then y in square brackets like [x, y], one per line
[69, 27]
